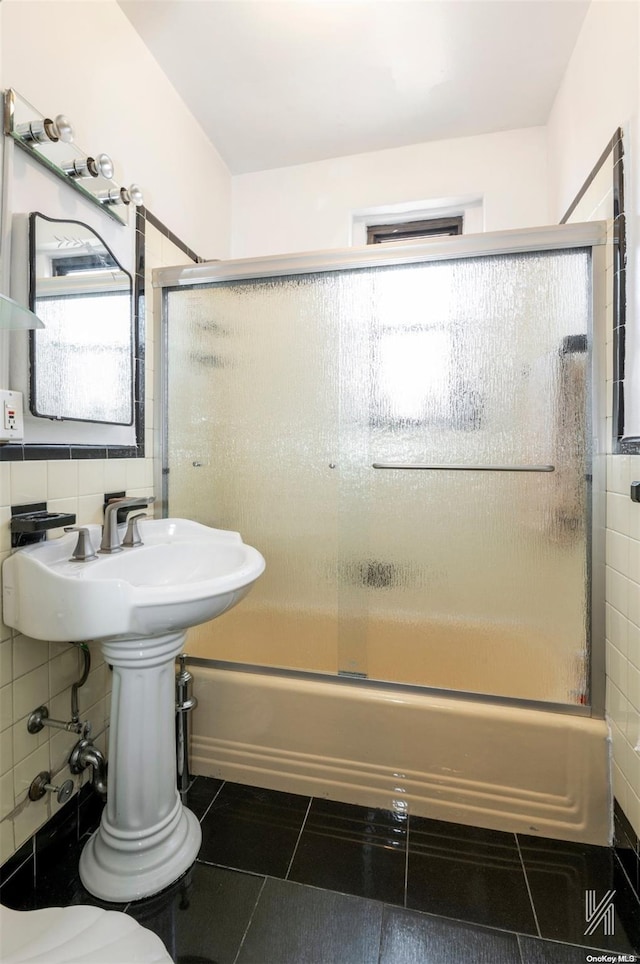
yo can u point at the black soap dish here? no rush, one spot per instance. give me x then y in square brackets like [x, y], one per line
[29, 523]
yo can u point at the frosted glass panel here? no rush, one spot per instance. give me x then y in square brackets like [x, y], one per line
[283, 394]
[253, 426]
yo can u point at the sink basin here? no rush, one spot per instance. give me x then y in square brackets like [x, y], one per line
[138, 603]
[184, 574]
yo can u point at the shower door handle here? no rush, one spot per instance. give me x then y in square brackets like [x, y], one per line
[463, 468]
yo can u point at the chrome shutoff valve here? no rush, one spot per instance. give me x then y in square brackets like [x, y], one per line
[42, 783]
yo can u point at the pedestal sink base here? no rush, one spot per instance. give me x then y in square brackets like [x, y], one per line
[146, 838]
[138, 601]
[116, 869]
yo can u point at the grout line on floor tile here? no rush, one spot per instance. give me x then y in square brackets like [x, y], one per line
[406, 860]
[520, 950]
[30, 856]
[235, 870]
[250, 921]
[383, 913]
[622, 867]
[34, 855]
[213, 800]
[295, 849]
[526, 880]
[456, 920]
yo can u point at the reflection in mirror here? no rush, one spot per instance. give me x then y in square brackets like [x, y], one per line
[82, 362]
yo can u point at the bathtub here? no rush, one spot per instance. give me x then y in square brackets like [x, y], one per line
[467, 760]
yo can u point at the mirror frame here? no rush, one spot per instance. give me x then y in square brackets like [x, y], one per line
[39, 451]
[33, 216]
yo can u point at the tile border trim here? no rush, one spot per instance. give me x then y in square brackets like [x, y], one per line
[615, 148]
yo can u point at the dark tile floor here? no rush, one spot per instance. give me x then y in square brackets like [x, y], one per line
[287, 879]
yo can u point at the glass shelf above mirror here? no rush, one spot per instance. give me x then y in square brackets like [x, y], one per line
[14, 316]
[50, 141]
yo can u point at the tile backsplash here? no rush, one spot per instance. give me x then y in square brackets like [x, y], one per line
[623, 632]
[35, 672]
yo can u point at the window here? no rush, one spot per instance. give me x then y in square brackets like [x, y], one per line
[414, 230]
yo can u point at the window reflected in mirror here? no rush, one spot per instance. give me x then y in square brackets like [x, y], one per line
[82, 362]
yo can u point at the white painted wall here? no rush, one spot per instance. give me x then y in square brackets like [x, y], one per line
[87, 61]
[311, 206]
[601, 92]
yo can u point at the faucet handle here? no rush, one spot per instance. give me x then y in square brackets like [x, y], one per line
[84, 550]
[132, 535]
[131, 500]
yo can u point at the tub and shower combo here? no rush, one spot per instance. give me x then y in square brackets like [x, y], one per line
[413, 437]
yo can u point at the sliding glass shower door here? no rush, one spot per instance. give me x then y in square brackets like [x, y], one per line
[405, 444]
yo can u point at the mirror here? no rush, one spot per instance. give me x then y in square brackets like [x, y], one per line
[82, 362]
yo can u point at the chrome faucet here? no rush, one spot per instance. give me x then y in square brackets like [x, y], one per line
[110, 536]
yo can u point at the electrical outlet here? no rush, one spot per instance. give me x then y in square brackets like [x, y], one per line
[11, 421]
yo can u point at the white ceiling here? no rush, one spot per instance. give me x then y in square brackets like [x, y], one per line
[281, 82]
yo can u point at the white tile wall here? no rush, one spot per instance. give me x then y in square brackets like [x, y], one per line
[623, 632]
[622, 561]
[34, 672]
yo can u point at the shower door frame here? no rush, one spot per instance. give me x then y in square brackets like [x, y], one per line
[591, 235]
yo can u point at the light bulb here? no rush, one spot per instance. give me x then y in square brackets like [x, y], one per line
[41, 131]
[135, 195]
[112, 196]
[62, 129]
[123, 195]
[101, 166]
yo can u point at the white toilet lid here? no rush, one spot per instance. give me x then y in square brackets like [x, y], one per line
[64, 935]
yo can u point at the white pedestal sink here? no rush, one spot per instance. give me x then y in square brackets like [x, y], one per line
[138, 603]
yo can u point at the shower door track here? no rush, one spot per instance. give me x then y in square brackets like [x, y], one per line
[592, 235]
[521, 240]
[391, 686]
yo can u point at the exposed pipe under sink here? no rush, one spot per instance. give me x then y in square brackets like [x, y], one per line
[85, 754]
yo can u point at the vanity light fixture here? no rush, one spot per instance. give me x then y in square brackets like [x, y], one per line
[99, 166]
[44, 129]
[122, 195]
[91, 176]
